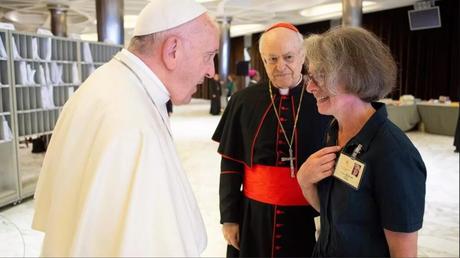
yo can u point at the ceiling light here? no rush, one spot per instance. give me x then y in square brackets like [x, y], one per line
[242, 29]
[26, 17]
[328, 9]
[203, 1]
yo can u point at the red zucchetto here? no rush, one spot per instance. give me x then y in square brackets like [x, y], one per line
[282, 25]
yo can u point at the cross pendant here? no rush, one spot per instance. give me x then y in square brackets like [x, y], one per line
[291, 162]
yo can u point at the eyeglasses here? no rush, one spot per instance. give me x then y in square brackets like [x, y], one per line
[288, 58]
[317, 80]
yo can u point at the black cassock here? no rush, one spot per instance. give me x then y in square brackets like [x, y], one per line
[215, 91]
[249, 134]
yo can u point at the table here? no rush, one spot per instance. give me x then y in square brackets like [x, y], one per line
[406, 117]
[439, 118]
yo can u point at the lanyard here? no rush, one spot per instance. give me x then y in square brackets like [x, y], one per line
[146, 92]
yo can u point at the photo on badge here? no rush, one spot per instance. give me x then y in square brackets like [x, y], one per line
[349, 170]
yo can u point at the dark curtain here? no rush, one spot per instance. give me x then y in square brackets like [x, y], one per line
[314, 28]
[236, 53]
[428, 60]
[236, 56]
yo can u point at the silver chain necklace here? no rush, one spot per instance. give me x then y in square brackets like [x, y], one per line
[289, 142]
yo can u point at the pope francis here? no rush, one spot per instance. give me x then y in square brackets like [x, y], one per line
[111, 182]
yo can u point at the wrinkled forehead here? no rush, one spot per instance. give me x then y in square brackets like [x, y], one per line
[209, 41]
[205, 35]
[280, 41]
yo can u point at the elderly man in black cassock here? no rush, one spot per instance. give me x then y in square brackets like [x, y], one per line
[266, 132]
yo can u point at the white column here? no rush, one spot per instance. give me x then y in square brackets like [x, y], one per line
[352, 12]
[224, 53]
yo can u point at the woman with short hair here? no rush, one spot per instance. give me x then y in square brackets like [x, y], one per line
[379, 211]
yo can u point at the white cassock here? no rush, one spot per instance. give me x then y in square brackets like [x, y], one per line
[111, 182]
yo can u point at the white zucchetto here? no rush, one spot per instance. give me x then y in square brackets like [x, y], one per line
[161, 15]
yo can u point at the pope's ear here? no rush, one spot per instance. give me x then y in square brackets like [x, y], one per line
[170, 52]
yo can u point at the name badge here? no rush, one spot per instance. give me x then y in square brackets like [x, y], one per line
[349, 170]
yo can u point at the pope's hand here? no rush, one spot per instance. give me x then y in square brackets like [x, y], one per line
[317, 167]
[231, 233]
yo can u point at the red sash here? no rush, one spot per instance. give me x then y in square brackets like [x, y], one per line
[272, 185]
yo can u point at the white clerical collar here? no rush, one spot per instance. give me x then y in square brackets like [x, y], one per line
[285, 91]
[154, 86]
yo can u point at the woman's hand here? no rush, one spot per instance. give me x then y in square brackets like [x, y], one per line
[317, 167]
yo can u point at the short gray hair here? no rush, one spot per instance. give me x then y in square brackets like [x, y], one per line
[354, 57]
[145, 44]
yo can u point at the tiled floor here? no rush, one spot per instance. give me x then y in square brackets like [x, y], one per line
[193, 127]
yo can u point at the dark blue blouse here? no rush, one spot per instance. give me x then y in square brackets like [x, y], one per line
[391, 194]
